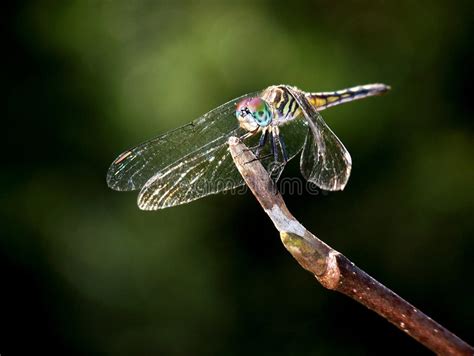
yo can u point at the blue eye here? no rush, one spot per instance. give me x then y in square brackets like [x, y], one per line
[257, 108]
[263, 118]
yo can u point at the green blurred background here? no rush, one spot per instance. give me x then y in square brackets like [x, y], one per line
[85, 272]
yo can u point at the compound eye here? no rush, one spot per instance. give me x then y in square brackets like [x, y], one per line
[259, 115]
[257, 108]
[263, 117]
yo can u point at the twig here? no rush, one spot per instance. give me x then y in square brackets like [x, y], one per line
[336, 272]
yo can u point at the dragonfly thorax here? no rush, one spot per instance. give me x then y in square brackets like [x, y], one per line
[253, 113]
[284, 105]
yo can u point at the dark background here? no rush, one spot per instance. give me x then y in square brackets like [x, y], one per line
[85, 272]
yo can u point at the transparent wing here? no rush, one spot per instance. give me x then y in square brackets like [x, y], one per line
[133, 168]
[324, 160]
[208, 170]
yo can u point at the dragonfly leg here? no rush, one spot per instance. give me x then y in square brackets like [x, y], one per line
[275, 141]
[247, 135]
[261, 143]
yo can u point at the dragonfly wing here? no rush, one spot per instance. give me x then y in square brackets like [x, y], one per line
[133, 168]
[208, 170]
[324, 160]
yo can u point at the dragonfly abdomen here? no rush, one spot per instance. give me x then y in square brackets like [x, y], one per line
[323, 100]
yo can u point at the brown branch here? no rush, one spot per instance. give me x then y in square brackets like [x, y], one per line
[335, 271]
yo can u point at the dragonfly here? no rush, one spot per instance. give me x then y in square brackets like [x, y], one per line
[278, 123]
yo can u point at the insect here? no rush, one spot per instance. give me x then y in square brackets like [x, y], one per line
[279, 122]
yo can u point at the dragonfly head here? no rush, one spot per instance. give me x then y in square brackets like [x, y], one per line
[253, 113]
